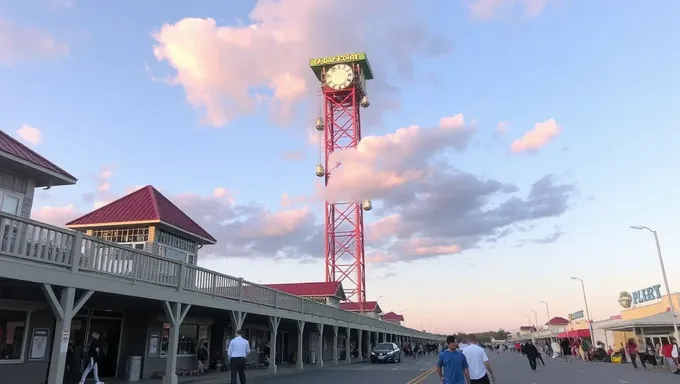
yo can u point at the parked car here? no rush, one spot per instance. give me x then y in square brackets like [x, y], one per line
[386, 353]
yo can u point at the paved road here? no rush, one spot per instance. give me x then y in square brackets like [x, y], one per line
[364, 373]
[509, 368]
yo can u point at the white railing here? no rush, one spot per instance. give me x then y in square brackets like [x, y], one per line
[38, 242]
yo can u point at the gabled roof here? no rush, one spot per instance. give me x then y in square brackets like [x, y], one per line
[14, 150]
[145, 205]
[318, 289]
[391, 316]
[368, 306]
[557, 321]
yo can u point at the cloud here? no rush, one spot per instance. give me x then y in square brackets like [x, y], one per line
[30, 134]
[229, 70]
[492, 9]
[502, 127]
[19, 43]
[537, 138]
[293, 155]
[55, 215]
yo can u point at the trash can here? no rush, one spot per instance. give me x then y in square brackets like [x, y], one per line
[133, 369]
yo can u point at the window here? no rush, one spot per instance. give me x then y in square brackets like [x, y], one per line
[175, 241]
[10, 202]
[189, 336]
[123, 235]
[12, 334]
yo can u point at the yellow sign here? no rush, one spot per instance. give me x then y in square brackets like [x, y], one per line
[348, 58]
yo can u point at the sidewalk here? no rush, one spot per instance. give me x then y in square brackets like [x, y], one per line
[224, 377]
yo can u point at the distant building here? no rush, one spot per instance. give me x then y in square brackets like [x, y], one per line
[327, 293]
[368, 308]
[392, 317]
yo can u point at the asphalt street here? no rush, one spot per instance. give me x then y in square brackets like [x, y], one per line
[509, 369]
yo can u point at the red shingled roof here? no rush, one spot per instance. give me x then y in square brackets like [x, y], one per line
[557, 321]
[368, 306]
[143, 205]
[391, 316]
[321, 289]
[12, 147]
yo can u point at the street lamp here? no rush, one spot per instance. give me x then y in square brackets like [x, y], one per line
[531, 328]
[585, 301]
[547, 312]
[665, 278]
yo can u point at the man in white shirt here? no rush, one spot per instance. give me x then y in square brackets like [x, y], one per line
[238, 350]
[478, 363]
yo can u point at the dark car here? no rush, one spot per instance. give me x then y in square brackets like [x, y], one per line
[386, 353]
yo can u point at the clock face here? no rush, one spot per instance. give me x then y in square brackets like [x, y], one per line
[339, 76]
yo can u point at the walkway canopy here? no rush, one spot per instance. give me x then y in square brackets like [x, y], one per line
[660, 320]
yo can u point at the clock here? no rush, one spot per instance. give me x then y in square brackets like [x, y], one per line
[339, 76]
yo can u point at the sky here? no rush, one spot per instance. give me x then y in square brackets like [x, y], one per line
[509, 144]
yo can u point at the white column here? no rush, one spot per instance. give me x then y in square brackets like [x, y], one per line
[335, 344]
[319, 359]
[175, 313]
[237, 319]
[63, 309]
[300, 350]
[273, 330]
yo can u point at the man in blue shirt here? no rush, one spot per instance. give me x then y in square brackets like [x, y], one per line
[452, 366]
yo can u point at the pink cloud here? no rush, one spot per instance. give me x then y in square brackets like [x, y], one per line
[55, 215]
[19, 43]
[220, 66]
[30, 134]
[538, 137]
[491, 9]
[381, 163]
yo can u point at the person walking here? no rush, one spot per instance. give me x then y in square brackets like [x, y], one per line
[452, 366]
[531, 352]
[478, 363]
[238, 350]
[93, 354]
[633, 352]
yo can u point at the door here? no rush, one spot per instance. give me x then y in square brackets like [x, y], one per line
[109, 337]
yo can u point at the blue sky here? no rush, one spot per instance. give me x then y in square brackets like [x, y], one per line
[606, 73]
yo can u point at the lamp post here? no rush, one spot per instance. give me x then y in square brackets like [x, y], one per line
[547, 312]
[531, 332]
[585, 301]
[665, 278]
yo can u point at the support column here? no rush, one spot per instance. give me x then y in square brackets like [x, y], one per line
[360, 344]
[175, 313]
[273, 331]
[335, 344]
[63, 309]
[319, 359]
[237, 319]
[300, 350]
[348, 352]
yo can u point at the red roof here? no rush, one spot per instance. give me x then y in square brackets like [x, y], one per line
[575, 333]
[557, 321]
[368, 306]
[12, 147]
[391, 316]
[322, 289]
[143, 205]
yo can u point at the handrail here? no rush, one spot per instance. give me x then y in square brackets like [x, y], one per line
[47, 244]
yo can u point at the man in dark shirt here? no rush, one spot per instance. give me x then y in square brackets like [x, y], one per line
[452, 365]
[93, 355]
[531, 353]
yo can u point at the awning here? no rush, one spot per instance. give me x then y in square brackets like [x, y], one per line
[664, 319]
[575, 333]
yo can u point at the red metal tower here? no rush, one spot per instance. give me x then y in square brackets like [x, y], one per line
[343, 86]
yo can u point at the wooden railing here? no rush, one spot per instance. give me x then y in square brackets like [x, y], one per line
[42, 243]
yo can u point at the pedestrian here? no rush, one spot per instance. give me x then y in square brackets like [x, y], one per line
[238, 350]
[202, 357]
[633, 352]
[478, 363]
[452, 366]
[531, 353]
[670, 354]
[93, 355]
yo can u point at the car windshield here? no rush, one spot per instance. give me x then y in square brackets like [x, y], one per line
[384, 347]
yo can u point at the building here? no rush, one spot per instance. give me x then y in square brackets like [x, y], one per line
[645, 313]
[329, 293]
[392, 317]
[369, 309]
[130, 274]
